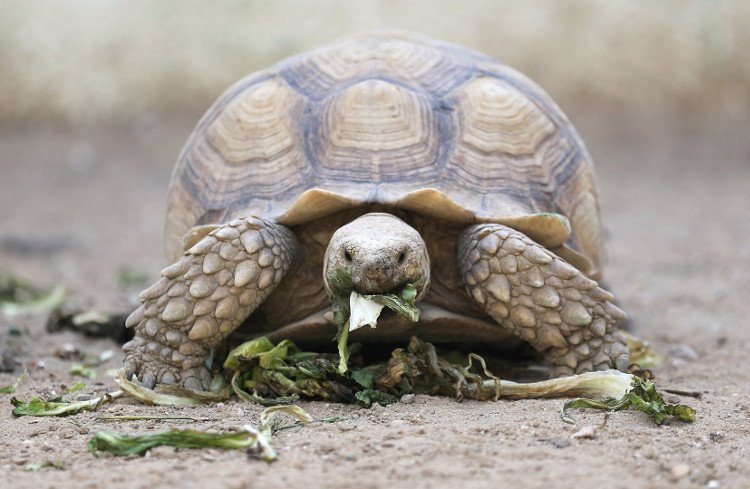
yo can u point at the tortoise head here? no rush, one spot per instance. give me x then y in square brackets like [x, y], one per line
[382, 253]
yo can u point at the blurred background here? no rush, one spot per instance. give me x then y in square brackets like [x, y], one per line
[98, 96]
[103, 60]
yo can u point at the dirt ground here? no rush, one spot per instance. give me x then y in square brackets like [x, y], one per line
[80, 205]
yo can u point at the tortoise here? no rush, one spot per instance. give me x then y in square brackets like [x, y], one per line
[403, 160]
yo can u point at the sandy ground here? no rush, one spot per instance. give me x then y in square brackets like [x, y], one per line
[78, 206]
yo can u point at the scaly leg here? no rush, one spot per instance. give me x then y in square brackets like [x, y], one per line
[203, 297]
[541, 298]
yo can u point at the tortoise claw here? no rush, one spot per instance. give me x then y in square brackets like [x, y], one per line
[193, 383]
[149, 380]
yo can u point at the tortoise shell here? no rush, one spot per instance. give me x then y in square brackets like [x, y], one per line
[397, 120]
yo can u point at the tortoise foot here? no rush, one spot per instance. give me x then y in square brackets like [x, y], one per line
[154, 363]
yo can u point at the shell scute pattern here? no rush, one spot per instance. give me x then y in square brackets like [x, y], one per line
[373, 119]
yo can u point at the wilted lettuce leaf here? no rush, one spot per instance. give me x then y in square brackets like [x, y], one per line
[289, 374]
[294, 374]
[282, 374]
[82, 371]
[49, 464]
[643, 396]
[17, 297]
[119, 444]
[246, 438]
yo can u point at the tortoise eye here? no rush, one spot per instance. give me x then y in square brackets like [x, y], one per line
[347, 256]
[401, 258]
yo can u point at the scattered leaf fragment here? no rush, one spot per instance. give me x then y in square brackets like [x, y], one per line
[82, 370]
[642, 353]
[11, 388]
[59, 406]
[75, 387]
[49, 464]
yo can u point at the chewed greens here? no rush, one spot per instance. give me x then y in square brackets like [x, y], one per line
[281, 374]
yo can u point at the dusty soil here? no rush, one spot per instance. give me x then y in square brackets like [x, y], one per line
[79, 205]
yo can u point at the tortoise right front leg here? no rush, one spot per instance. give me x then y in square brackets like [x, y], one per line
[539, 297]
[203, 297]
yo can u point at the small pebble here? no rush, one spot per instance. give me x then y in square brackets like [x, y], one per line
[678, 471]
[347, 427]
[407, 398]
[713, 484]
[587, 432]
[716, 436]
[65, 435]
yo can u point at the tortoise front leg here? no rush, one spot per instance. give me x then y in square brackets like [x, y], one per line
[203, 297]
[541, 298]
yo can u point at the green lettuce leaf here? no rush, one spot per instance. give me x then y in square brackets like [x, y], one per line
[642, 396]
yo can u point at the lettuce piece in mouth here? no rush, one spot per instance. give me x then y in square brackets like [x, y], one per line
[352, 310]
[364, 311]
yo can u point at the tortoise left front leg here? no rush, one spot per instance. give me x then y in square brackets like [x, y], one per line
[541, 298]
[203, 297]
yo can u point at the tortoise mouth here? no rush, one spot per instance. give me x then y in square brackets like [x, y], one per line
[367, 289]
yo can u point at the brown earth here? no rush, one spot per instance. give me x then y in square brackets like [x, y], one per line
[79, 205]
